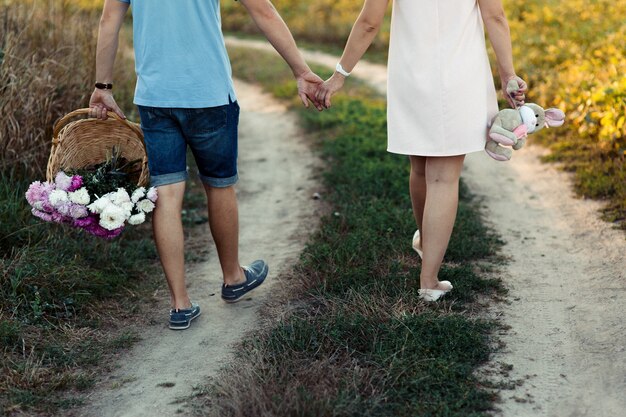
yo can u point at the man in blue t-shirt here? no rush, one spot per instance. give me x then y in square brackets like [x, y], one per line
[186, 98]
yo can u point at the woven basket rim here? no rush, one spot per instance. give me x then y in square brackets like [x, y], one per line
[65, 126]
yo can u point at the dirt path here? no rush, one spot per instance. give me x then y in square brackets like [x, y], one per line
[276, 216]
[567, 281]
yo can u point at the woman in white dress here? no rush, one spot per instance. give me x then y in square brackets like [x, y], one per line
[441, 99]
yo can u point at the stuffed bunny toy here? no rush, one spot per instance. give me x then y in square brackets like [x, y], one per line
[511, 127]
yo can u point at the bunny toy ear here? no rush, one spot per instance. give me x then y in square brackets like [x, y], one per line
[554, 117]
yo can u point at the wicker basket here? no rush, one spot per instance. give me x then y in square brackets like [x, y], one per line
[84, 142]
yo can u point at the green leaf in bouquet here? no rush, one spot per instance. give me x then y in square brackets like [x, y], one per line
[116, 172]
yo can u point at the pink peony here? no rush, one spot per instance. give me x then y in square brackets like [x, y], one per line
[47, 217]
[86, 222]
[63, 181]
[78, 211]
[77, 182]
[97, 230]
[37, 195]
[64, 208]
[152, 194]
[59, 218]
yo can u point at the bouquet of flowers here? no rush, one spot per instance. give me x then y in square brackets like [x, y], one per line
[99, 199]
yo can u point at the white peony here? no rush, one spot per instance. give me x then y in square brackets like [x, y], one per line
[99, 205]
[120, 196]
[80, 196]
[58, 198]
[137, 219]
[138, 194]
[128, 208]
[145, 205]
[112, 217]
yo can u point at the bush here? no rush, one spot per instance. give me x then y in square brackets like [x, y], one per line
[574, 57]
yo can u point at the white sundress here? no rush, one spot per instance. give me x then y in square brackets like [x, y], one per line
[441, 95]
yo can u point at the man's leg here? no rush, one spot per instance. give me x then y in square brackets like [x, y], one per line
[169, 238]
[212, 134]
[224, 223]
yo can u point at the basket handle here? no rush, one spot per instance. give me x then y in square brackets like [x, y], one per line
[66, 119]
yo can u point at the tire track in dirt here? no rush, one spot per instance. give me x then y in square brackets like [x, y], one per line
[277, 214]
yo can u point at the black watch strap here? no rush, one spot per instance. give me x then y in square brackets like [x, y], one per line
[102, 86]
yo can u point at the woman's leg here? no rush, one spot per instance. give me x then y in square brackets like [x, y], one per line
[417, 186]
[442, 197]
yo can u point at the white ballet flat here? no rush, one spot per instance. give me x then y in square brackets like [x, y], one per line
[434, 295]
[416, 242]
[431, 295]
[446, 286]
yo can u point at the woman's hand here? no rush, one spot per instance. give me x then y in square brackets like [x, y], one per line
[329, 88]
[516, 98]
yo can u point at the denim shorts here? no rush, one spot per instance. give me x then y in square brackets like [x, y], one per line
[211, 134]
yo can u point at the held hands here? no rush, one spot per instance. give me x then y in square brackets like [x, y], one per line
[517, 97]
[102, 101]
[329, 88]
[308, 86]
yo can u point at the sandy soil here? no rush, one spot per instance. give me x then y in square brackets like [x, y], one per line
[276, 215]
[567, 281]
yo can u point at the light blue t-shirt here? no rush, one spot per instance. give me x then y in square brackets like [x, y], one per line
[181, 59]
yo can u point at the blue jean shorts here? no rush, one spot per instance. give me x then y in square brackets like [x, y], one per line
[210, 133]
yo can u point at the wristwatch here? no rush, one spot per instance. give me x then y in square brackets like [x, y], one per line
[342, 71]
[102, 86]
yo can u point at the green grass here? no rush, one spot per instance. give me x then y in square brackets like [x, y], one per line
[359, 342]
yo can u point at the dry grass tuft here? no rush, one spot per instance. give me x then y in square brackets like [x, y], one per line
[47, 54]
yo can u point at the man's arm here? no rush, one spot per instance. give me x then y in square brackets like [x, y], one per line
[278, 34]
[500, 36]
[108, 40]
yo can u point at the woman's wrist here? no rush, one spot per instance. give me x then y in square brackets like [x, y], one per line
[341, 70]
[339, 76]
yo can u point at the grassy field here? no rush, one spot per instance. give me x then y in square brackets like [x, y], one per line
[359, 341]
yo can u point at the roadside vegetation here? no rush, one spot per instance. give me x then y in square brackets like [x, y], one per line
[358, 341]
[572, 53]
[574, 56]
[66, 299]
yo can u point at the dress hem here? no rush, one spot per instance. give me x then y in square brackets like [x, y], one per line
[434, 153]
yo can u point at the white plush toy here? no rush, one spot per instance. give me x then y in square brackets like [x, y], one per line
[511, 127]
